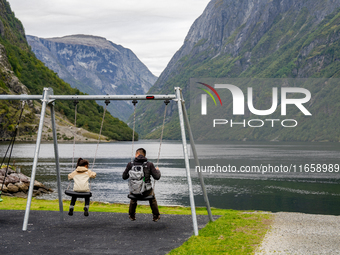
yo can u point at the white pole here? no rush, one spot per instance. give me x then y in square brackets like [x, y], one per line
[186, 159]
[36, 155]
[193, 148]
[56, 155]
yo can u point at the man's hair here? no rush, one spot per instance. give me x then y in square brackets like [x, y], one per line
[141, 151]
[82, 162]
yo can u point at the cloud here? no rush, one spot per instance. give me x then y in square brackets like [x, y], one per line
[153, 29]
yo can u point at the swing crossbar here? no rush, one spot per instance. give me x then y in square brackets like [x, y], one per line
[88, 97]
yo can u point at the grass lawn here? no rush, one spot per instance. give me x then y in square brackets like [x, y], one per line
[235, 232]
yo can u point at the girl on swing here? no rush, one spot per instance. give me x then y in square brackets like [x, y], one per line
[81, 178]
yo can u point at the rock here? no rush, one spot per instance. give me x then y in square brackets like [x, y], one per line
[11, 179]
[12, 188]
[23, 178]
[18, 185]
[3, 171]
[42, 190]
[4, 189]
[22, 186]
[36, 193]
[14, 175]
[38, 185]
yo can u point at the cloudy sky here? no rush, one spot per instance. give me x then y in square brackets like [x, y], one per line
[153, 29]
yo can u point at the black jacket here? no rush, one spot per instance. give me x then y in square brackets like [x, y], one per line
[148, 171]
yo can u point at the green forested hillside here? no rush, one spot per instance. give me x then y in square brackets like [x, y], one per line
[33, 73]
[295, 42]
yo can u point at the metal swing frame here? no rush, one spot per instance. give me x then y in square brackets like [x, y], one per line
[48, 99]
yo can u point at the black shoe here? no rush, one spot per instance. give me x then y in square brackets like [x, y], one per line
[156, 218]
[70, 212]
[86, 211]
[132, 218]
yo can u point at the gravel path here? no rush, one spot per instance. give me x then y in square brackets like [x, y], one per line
[299, 233]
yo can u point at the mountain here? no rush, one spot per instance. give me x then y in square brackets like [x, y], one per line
[253, 39]
[95, 65]
[22, 72]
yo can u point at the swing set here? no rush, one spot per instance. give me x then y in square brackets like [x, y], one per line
[76, 194]
[48, 99]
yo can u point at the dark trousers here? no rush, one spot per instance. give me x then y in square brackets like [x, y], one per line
[74, 199]
[152, 202]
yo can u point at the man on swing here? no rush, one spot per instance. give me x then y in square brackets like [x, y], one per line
[142, 187]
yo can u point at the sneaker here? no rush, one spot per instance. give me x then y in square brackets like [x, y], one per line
[156, 218]
[86, 211]
[132, 218]
[70, 212]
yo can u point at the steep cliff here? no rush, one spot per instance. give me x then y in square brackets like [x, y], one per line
[12, 30]
[95, 65]
[22, 72]
[9, 111]
[251, 38]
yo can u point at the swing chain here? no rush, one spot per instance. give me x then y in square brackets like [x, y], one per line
[10, 146]
[166, 102]
[75, 103]
[100, 132]
[134, 102]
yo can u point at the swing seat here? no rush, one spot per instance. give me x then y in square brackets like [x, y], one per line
[78, 194]
[140, 197]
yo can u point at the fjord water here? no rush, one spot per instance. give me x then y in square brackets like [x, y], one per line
[316, 192]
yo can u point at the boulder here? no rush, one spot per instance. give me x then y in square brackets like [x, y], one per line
[15, 175]
[4, 189]
[22, 186]
[23, 178]
[38, 185]
[18, 184]
[11, 179]
[43, 190]
[3, 171]
[12, 188]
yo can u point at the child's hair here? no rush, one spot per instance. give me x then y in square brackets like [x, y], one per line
[82, 162]
[141, 151]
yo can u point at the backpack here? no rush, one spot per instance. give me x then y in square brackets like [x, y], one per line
[137, 183]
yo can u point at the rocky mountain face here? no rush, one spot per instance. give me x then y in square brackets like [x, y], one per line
[95, 65]
[21, 72]
[9, 111]
[10, 83]
[254, 39]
